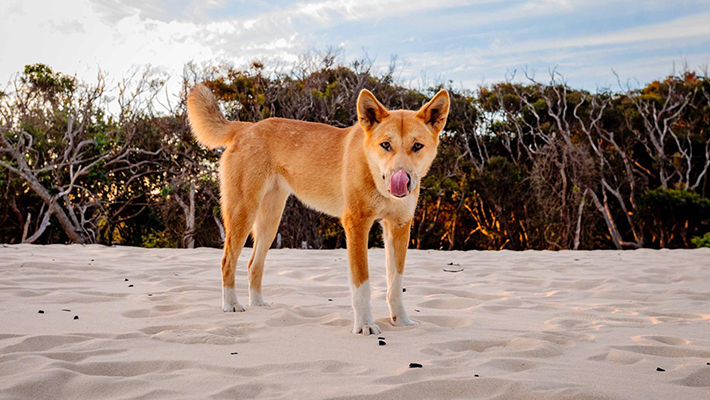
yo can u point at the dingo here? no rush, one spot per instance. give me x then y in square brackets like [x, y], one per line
[370, 171]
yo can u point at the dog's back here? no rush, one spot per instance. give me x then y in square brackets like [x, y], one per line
[304, 158]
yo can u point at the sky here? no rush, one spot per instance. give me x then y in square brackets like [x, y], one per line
[466, 42]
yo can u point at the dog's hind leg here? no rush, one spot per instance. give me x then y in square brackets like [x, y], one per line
[236, 223]
[265, 227]
[241, 193]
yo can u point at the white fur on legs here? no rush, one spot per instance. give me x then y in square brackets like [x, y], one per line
[255, 299]
[398, 314]
[361, 308]
[229, 300]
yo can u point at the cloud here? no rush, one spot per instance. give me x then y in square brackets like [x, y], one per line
[364, 9]
[120, 34]
[456, 39]
[116, 37]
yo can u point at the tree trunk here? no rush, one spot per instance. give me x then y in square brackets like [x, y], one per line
[613, 231]
[190, 232]
[580, 211]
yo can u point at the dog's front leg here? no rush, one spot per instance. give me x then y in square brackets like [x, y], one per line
[396, 242]
[357, 228]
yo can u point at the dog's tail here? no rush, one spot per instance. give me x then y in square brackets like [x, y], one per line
[209, 125]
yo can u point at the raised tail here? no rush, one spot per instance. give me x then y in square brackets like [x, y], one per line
[209, 125]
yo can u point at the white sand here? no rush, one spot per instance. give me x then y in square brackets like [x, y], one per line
[532, 325]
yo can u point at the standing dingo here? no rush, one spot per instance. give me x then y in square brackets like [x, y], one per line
[370, 171]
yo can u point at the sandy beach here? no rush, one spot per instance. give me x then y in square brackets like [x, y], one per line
[132, 323]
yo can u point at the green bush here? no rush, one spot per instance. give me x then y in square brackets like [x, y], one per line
[158, 240]
[701, 241]
[672, 216]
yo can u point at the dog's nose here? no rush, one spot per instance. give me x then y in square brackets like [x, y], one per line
[410, 185]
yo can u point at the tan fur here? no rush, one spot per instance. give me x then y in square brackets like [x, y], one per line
[208, 124]
[341, 172]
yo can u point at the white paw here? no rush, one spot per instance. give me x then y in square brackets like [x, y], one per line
[259, 303]
[403, 321]
[255, 300]
[229, 301]
[367, 329]
[236, 307]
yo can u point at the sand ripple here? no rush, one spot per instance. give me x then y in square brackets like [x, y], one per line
[511, 325]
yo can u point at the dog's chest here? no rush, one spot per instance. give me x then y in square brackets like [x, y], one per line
[399, 210]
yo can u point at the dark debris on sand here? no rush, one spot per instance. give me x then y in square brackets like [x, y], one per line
[415, 365]
[453, 269]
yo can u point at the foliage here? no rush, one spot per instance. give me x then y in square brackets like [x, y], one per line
[702, 241]
[521, 164]
[673, 216]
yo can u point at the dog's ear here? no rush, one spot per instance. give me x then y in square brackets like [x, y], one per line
[434, 112]
[370, 112]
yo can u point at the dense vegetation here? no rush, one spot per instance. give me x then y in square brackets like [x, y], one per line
[521, 165]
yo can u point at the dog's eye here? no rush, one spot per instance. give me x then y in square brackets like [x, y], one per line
[386, 146]
[417, 146]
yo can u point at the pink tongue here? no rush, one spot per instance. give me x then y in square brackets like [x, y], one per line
[398, 184]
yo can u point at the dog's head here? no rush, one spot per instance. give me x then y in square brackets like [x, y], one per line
[401, 145]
